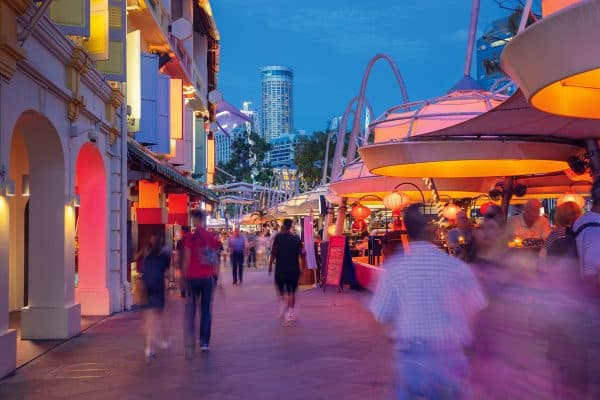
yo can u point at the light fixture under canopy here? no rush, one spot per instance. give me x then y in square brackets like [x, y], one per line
[466, 157]
[556, 61]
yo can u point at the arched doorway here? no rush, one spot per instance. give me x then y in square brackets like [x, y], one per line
[38, 167]
[91, 261]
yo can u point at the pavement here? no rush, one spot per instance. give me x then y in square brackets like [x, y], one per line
[334, 350]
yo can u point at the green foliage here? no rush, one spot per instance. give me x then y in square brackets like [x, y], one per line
[247, 161]
[310, 155]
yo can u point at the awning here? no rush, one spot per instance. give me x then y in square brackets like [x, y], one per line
[137, 153]
[515, 117]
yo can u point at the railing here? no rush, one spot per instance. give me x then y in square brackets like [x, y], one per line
[191, 69]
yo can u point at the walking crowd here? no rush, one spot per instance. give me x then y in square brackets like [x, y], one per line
[483, 320]
[198, 257]
[495, 321]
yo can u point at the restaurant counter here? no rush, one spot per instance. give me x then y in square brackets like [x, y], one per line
[367, 275]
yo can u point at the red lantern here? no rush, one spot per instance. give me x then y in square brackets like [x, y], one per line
[359, 225]
[397, 212]
[484, 207]
[360, 212]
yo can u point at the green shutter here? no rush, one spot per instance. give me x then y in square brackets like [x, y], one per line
[72, 16]
[115, 67]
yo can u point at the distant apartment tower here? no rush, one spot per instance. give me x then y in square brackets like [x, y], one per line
[284, 148]
[277, 96]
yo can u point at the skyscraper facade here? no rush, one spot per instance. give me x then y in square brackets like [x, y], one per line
[277, 112]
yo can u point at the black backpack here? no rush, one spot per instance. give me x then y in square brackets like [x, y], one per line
[567, 246]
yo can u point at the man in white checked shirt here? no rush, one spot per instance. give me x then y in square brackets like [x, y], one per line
[432, 299]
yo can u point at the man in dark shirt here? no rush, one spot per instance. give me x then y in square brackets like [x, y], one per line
[286, 250]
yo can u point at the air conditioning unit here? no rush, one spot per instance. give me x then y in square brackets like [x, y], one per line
[133, 124]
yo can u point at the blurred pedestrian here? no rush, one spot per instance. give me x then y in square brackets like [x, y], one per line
[185, 233]
[286, 252]
[432, 298]
[156, 262]
[251, 249]
[262, 242]
[508, 357]
[201, 263]
[460, 238]
[237, 251]
[587, 233]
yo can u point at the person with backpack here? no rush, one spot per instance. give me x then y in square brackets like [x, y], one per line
[587, 235]
[156, 261]
[201, 266]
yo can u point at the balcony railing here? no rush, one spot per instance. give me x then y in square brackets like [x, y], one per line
[163, 19]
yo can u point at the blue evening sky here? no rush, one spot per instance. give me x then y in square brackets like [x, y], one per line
[328, 43]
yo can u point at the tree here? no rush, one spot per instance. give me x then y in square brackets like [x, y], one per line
[310, 156]
[247, 162]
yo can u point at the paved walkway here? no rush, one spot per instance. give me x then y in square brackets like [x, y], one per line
[335, 351]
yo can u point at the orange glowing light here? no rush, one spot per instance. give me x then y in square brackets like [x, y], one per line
[552, 6]
[331, 230]
[149, 194]
[450, 211]
[574, 197]
[396, 200]
[360, 212]
[176, 109]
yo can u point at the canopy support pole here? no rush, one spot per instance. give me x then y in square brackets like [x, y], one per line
[507, 194]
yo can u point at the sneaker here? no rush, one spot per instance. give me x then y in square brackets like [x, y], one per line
[291, 315]
[204, 348]
[164, 344]
[148, 354]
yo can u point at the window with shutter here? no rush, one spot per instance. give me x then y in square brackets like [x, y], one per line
[114, 68]
[72, 16]
[163, 144]
[149, 118]
[98, 43]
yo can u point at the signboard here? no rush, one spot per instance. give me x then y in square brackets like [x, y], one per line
[309, 243]
[335, 260]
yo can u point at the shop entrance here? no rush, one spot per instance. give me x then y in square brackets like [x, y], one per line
[91, 232]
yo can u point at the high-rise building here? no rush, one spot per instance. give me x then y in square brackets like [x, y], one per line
[250, 112]
[277, 112]
[284, 149]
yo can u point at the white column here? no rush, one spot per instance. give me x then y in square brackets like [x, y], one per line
[52, 312]
[8, 337]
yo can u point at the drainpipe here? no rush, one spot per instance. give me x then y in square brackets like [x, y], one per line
[507, 194]
[126, 294]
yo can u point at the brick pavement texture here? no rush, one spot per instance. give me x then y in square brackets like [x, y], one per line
[335, 350]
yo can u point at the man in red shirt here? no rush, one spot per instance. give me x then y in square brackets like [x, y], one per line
[200, 260]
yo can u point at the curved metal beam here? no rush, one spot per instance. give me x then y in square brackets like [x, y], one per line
[351, 154]
[472, 33]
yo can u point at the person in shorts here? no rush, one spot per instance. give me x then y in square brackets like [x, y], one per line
[286, 251]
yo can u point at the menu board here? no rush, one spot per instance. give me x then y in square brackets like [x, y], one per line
[335, 260]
